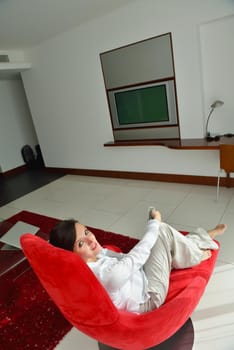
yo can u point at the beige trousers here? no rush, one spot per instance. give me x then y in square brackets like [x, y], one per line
[172, 250]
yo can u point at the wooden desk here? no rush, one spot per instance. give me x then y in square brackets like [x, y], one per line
[183, 144]
[193, 144]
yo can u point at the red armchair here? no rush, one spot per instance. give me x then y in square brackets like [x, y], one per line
[86, 305]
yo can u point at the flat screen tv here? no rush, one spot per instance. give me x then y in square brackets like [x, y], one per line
[144, 106]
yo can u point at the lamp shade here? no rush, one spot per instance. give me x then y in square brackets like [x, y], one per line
[216, 104]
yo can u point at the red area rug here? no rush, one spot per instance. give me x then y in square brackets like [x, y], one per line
[28, 317]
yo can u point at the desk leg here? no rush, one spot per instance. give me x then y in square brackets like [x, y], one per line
[228, 181]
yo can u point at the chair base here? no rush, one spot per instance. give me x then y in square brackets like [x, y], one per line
[182, 340]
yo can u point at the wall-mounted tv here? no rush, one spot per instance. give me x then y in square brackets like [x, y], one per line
[141, 109]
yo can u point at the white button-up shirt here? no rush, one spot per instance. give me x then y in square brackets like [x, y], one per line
[122, 275]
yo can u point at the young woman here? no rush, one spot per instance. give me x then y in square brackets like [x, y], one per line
[138, 281]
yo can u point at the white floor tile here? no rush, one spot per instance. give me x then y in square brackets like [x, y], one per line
[213, 319]
[75, 340]
[198, 210]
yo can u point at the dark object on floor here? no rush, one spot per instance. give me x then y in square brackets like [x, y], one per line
[28, 156]
[39, 157]
[33, 160]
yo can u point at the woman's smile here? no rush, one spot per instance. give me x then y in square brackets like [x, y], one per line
[86, 244]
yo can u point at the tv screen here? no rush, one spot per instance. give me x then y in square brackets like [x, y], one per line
[142, 105]
[145, 111]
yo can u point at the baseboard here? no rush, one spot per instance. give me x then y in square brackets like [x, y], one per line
[133, 175]
[18, 170]
[185, 179]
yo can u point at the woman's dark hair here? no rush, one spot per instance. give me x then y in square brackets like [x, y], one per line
[63, 234]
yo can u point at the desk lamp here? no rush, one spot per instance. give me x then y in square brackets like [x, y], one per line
[214, 105]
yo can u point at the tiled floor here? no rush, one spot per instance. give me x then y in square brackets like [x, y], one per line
[121, 206]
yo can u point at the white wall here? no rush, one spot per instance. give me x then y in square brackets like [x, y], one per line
[16, 126]
[66, 91]
[217, 52]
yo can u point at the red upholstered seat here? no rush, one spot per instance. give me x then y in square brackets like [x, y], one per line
[86, 305]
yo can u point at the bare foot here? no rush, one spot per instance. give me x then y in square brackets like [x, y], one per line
[155, 214]
[206, 254]
[218, 230]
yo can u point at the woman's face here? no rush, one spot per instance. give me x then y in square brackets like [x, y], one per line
[86, 245]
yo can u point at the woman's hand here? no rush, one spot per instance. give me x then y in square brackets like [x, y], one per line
[155, 214]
